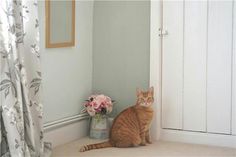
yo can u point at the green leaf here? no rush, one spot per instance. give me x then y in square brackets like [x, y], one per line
[7, 92]
[36, 90]
[26, 118]
[16, 143]
[34, 85]
[39, 73]
[4, 86]
[5, 81]
[35, 80]
[8, 74]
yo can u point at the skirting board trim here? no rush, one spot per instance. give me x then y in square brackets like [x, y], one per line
[65, 130]
[67, 133]
[65, 121]
[198, 138]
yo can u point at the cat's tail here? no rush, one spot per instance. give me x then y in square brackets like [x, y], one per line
[95, 146]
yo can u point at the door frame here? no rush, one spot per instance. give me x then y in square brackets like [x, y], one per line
[155, 64]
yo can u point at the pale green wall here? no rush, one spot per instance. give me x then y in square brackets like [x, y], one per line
[67, 72]
[121, 49]
[111, 56]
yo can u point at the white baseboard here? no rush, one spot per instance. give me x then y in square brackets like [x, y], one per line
[66, 130]
[198, 138]
[70, 129]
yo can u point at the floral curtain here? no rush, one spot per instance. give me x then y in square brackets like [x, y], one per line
[21, 129]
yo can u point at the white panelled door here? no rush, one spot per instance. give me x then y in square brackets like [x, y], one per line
[198, 83]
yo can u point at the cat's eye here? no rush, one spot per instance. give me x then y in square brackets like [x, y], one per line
[142, 100]
[149, 100]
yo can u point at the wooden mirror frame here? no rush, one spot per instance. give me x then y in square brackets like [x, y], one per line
[62, 44]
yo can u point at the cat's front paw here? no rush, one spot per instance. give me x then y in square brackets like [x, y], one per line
[143, 144]
[149, 142]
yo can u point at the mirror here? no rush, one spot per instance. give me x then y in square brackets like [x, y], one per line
[60, 23]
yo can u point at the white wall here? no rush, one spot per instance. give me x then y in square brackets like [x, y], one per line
[67, 72]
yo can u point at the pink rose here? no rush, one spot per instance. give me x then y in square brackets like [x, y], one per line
[109, 107]
[100, 99]
[95, 104]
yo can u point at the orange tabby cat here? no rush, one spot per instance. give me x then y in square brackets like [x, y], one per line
[130, 127]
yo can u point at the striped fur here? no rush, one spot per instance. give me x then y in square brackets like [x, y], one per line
[95, 146]
[131, 127]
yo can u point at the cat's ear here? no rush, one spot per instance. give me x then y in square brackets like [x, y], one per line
[151, 90]
[138, 91]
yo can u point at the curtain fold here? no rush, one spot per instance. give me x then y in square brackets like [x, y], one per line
[21, 129]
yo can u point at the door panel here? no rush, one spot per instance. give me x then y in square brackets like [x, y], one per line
[195, 47]
[172, 72]
[219, 67]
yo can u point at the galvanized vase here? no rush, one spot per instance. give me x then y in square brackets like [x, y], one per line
[99, 127]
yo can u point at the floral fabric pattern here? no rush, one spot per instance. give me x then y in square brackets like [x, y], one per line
[21, 128]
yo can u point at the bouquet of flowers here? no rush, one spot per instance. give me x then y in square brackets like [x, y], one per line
[98, 105]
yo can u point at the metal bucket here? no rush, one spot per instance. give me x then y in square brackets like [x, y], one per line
[99, 127]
